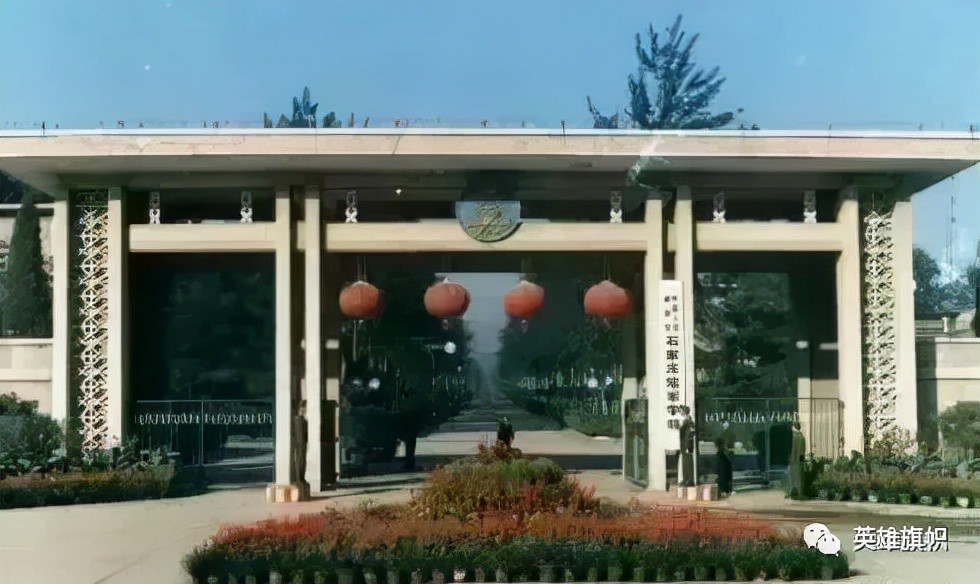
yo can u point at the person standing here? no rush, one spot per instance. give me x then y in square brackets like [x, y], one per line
[797, 453]
[724, 443]
[505, 432]
[685, 466]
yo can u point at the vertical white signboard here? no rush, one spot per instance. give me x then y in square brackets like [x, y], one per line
[673, 385]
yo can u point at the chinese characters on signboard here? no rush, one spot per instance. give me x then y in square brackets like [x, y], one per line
[906, 539]
[672, 322]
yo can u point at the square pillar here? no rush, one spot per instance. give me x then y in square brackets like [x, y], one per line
[906, 405]
[684, 231]
[60, 312]
[312, 333]
[849, 319]
[653, 344]
[117, 354]
[284, 233]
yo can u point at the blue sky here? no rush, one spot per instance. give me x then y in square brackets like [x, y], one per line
[873, 64]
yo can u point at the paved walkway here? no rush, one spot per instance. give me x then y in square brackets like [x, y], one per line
[143, 542]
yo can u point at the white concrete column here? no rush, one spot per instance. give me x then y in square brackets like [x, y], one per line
[117, 356]
[284, 334]
[849, 318]
[684, 231]
[312, 333]
[60, 312]
[906, 408]
[653, 267]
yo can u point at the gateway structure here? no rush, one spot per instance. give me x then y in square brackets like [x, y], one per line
[833, 208]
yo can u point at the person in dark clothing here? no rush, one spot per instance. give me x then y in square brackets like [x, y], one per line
[724, 443]
[505, 432]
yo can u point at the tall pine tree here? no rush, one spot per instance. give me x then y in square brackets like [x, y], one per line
[683, 91]
[27, 305]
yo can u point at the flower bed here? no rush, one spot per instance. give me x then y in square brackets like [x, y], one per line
[894, 488]
[646, 544]
[91, 487]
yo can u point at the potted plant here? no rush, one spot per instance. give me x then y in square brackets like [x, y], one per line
[614, 572]
[661, 574]
[345, 575]
[639, 574]
[459, 575]
[857, 492]
[478, 574]
[547, 573]
[963, 502]
[823, 493]
[701, 572]
[370, 577]
[872, 496]
[319, 577]
[392, 576]
[592, 574]
[500, 574]
[721, 574]
[569, 575]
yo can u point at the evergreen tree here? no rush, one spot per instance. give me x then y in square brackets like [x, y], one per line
[684, 91]
[27, 305]
[303, 116]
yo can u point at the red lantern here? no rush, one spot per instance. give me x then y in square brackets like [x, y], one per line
[524, 300]
[608, 300]
[361, 301]
[446, 300]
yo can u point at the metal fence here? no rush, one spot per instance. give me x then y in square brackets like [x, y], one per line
[231, 437]
[762, 427]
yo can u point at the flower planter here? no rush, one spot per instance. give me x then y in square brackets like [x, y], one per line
[547, 573]
[681, 492]
[905, 498]
[478, 574]
[721, 574]
[569, 575]
[925, 500]
[392, 577]
[701, 573]
[614, 574]
[500, 575]
[438, 577]
[318, 578]
[592, 575]
[963, 502]
[823, 494]
[459, 575]
[274, 578]
[857, 495]
[661, 574]
[708, 492]
[639, 574]
[837, 495]
[680, 575]
[742, 574]
[872, 497]
[945, 501]
[369, 577]
[889, 499]
[345, 576]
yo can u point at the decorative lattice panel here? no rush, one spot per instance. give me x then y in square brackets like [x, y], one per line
[92, 317]
[879, 324]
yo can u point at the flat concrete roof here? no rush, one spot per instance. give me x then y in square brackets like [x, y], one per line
[58, 159]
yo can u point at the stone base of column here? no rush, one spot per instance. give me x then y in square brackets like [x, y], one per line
[287, 493]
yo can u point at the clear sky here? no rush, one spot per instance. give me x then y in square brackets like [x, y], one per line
[877, 64]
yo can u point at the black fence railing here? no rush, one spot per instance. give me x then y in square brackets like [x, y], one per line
[220, 432]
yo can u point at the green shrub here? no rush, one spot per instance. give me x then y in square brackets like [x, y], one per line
[520, 485]
[11, 405]
[28, 443]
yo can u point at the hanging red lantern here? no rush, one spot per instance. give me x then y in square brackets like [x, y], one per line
[446, 300]
[361, 301]
[524, 300]
[607, 300]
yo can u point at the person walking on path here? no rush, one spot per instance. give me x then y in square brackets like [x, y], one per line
[505, 432]
[724, 443]
[794, 486]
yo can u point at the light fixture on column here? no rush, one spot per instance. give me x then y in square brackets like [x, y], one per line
[810, 206]
[350, 214]
[719, 208]
[246, 206]
[616, 207]
[155, 208]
